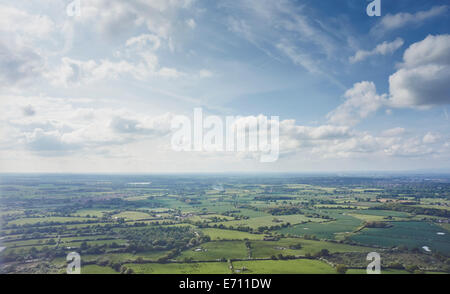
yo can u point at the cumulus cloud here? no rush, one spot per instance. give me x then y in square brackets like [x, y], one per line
[74, 72]
[381, 49]
[28, 110]
[142, 41]
[19, 63]
[325, 132]
[59, 127]
[159, 126]
[422, 79]
[394, 132]
[431, 138]
[13, 20]
[399, 20]
[21, 60]
[360, 101]
[332, 142]
[48, 143]
[52, 126]
[110, 17]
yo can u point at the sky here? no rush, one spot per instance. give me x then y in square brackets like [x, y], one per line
[95, 87]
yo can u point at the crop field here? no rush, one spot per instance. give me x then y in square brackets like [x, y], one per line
[224, 225]
[411, 234]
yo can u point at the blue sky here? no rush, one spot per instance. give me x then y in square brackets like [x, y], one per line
[96, 92]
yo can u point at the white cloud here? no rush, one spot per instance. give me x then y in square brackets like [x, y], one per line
[75, 72]
[58, 126]
[138, 59]
[423, 77]
[334, 142]
[325, 132]
[381, 49]
[394, 132]
[13, 20]
[141, 41]
[431, 138]
[409, 147]
[431, 50]
[204, 73]
[47, 143]
[19, 63]
[391, 22]
[191, 23]
[361, 101]
[110, 17]
[63, 128]
[21, 60]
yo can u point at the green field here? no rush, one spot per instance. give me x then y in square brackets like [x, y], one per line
[264, 249]
[216, 250]
[328, 230]
[96, 269]
[187, 225]
[298, 266]
[35, 220]
[219, 234]
[268, 221]
[132, 215]
[410, 234]
[181, 268]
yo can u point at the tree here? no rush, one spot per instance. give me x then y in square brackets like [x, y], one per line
[84, 246]
[396, 265]
[447, 268]
[341, 269]
[322, 253]
[412, 268]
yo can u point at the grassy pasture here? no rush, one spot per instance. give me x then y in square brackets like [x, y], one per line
[297, 266]
[383, 213]
[93, 269]
[181, 268]
[265, 249]
[90, 212]
[219, 234]
[35, 220]
[132, 215]
[216, 250]
[269, 221]
[353, 271]
[327, 230]
[117, 257]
